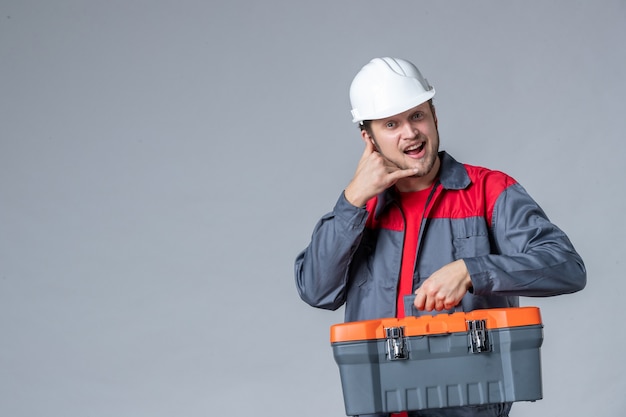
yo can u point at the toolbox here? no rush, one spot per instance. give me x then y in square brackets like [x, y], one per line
[445, 360]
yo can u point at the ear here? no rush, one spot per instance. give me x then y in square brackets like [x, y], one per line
[366, 137]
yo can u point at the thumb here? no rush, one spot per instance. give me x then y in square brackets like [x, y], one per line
[369, 148]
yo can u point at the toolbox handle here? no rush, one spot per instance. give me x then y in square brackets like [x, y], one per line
[411, 311]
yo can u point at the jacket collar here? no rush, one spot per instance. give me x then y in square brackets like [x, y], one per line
[452, 176]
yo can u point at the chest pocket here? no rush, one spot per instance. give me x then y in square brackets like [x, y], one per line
[470, 237]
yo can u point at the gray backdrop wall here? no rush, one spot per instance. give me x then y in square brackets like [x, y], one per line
[163, 162]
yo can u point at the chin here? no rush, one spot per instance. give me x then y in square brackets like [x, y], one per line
[424, 169]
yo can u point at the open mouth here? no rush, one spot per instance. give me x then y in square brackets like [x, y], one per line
[415, 149]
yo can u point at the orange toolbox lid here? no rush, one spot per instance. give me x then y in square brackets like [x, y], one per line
[495, 318]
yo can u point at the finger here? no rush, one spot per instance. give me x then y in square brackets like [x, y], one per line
[419, 301]
[449, 305]
[429, 305]
[370, 147]
[402, 173]
[369, 143]
[440, 305]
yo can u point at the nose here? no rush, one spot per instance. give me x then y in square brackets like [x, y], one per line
[409, 130]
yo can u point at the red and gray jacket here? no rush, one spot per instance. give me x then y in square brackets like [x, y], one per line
[484, 217]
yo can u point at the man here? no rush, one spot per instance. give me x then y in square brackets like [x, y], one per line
[417, 231]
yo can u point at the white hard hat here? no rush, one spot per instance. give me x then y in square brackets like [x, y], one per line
[385, 87]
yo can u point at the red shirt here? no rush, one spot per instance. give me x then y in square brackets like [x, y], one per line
[413, 205]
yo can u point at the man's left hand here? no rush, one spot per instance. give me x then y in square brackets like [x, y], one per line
[445, 288]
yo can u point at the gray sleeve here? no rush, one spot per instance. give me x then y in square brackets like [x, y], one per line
[533, 257]
[321, 270]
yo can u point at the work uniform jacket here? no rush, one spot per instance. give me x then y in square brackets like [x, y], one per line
[484, 217]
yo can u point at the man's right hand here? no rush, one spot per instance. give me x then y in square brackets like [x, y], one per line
[374, 174]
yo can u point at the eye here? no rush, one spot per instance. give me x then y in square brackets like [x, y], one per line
[390, 125]
[417, 116]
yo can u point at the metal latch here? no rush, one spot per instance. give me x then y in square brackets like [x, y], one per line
[478, 336]
[396, 344]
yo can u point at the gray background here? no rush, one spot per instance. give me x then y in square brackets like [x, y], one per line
[163, 162]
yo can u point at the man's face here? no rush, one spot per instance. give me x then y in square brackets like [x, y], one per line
[409, 139]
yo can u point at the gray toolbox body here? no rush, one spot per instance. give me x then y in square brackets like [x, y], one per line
[460, 359]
